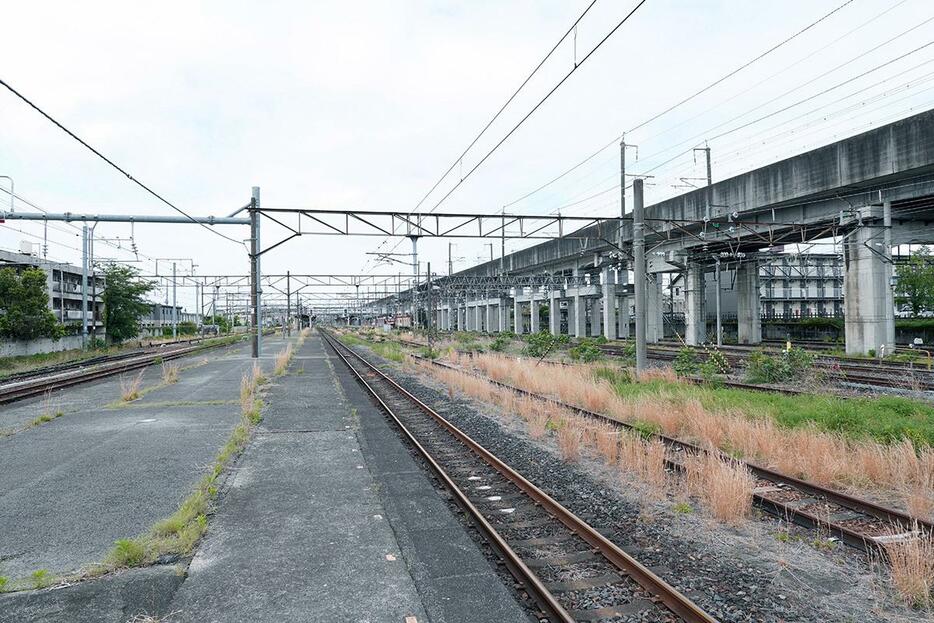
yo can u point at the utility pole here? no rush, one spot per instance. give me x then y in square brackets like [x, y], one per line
[717, 298]
[256, 291]
[638, 251]
[288, 302]
[431, 310]
[174, 306]
[84, 287]
[709, 193]
[502, 244]
[450, 262]
[415, 284]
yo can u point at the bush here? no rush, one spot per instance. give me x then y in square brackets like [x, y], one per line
[788, 366]
[541, 343]
[429, 353]
[685, 364]
[719, 361]
[500, 343]
[187, 328]
[586, 351]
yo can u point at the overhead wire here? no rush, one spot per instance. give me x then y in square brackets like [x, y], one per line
[112, 163]
[679, 103]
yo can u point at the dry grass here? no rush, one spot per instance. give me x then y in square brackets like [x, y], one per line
[806, 452]
[283, 357]
[130, 386]
[569, 440]
[170, 372]
[911, 569]
[722, 485]
[257, 377]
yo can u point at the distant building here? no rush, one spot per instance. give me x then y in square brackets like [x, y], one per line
[162, 316]
[791, 285]
[64, 288]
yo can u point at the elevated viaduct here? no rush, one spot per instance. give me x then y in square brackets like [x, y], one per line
[873, 191]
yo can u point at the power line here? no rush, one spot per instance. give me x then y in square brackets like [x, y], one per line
[540, 102]
[508, 101]
[112, 163]
[680, 103]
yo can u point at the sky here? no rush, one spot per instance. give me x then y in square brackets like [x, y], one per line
[364, 105]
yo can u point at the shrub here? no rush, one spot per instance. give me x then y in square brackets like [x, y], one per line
[541, 343]
[429, 353]
[586, 351]
[500, 343]
[685, 363]
[790, 365]
[719, 360]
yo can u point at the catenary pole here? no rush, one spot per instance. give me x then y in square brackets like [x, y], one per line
[84, 287]
[255, 288]
[174, 306]
[638, 251]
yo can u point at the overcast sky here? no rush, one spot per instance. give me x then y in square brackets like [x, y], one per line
[363, 105]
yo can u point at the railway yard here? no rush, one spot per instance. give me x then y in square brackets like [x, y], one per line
[455, 485]
[467, 312]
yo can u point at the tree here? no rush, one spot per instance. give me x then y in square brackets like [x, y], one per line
[24, 306]
[916, 282]
[124, 301]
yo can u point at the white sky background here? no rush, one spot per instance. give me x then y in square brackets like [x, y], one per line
[363, 105]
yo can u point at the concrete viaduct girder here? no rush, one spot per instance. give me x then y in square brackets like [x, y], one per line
[878, 182]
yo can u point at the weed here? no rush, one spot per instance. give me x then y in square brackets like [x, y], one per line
[128, 553]
[500, 343]
[170, 372]
[569, 441]
[258, 377]
[158, 360]
[911, 567]
[685, 364]
[790, 365]
[283, 358]
[683, 508]
[587, 351]
[129, 386]
[723, 486]
[41, 578]
[3, 582]
[783, 537]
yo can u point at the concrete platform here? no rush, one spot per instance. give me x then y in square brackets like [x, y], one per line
[326, 517]
[104, 471]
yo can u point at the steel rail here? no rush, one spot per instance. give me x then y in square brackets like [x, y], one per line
[850, 537]
[667, 594]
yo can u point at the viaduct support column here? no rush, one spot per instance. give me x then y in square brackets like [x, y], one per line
[517, 316]
[695, 312]
[579, 305]
[869, 321]
[596, 315]
[654, 309]
[491, 317]
[504, 314]
[554, 314]
[609, 304]
[533, 316]
[748, 319]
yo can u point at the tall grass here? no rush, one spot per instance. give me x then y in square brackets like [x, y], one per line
[911, 568]
[170, 372]
[283, 357]
[900, 469]
[130, 386]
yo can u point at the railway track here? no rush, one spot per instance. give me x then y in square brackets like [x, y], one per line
[857, 522]
[60, 377]
[879, 374]
[571, 570]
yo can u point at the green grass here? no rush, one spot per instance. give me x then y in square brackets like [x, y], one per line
[3, 582]
[388, 350]
[886, 419]
[352, 340]
[683, 508]
[41, 578]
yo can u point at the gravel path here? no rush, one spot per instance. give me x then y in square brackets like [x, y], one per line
[736, 574]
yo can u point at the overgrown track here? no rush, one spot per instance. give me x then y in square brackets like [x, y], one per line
[857, 522]
[572, 571]
[59, 377]
[878, 373]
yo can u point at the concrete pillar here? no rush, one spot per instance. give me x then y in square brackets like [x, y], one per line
[554, 315]
[749, 322]
[534, 324]
[609, 304]
[654, 309]
[622, 318]
[869, 308]
[491, 318]
[596, 314]
[695, 313]
[579, 322]
[504, 314]
[517, 317]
